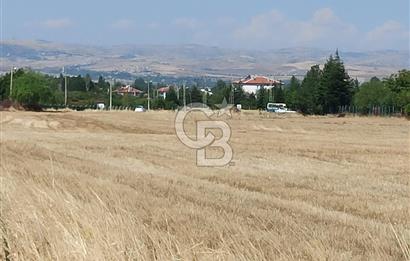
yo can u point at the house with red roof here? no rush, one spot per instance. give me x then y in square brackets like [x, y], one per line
[128, 90]
[163, 91]
[252, 83]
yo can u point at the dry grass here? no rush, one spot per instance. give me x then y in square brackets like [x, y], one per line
[101, 185]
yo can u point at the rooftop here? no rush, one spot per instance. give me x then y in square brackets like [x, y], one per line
[127, 89]
[257, 80]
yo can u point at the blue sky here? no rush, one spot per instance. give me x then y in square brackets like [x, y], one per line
[258, 24]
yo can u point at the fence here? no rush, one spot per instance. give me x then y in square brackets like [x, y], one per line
[385, 111]
[85, 107]
[370, 110]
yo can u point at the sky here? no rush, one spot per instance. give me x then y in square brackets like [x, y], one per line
[240, 24]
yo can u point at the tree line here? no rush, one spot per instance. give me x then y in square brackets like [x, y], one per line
[326, 90]
[321, 91]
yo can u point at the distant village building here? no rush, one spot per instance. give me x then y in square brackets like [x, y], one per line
[162, 92]
[128, 90]
[252, 83]
[207, 90]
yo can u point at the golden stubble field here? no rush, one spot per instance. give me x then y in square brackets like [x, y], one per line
[120, 186]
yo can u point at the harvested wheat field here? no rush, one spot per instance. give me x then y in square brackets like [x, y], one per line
[120, 186]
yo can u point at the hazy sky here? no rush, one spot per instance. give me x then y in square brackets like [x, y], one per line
[258, 24]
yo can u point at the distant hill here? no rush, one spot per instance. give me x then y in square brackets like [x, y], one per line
[189, 60]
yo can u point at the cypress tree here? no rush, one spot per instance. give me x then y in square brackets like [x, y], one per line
[261, 98]
[291, 93]
[336, 87]
[195, 94]
[308, 97]
[278, 95]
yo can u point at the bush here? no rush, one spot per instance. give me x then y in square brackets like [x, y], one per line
[31, 89]
[157, 103]
[373, 92]
[407, 110]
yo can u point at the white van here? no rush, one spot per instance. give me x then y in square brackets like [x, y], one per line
[276, 107]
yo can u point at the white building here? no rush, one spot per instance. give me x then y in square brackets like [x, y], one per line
[128, 90]
[252, 83]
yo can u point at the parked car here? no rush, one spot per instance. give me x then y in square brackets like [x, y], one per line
[277, 107]
[100, 106]
[140, 109]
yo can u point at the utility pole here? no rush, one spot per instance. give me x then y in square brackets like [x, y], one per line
[65, 86]
[177, 92]
[11, 82]
[184, 96]
[204, 98]
[113, 82]
[65, 91]
[232, 95]
[149, 105]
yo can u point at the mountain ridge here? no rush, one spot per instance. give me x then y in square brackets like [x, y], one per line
[191, 59]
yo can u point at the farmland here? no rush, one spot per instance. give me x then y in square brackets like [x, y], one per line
[120, 185]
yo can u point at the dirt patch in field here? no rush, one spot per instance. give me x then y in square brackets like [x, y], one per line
[75, 122]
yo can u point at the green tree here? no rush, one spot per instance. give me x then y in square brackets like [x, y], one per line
[158, 103]
[195, 95]
[278, 95]
[262, 98]
[220, 91]
[140, 83]
[291, 92]
[336, 87]
[76, 84]
[220, 85]
[61, 82]
[102, 84]
[356, 84]
[373, 93]
[88, 82]
[308, 96]
[249, 102]
[239, 94]
[31, 89]
[398, 82]
[171, 100]
[402, 99]
[5, 83]
[4, 86]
